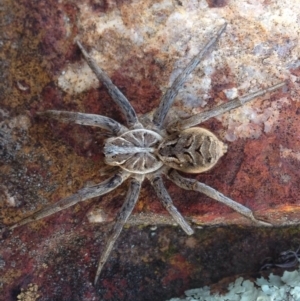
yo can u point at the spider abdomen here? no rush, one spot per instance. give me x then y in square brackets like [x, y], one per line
[193, 150]
[134, 151]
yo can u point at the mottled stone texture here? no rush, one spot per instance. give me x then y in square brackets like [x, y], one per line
[143, 45]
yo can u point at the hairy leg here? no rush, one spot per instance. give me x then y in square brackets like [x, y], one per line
[103, 122]
[113, 91]
[225, 107]
[167, 202]
[190, 184]
[129, 203]
[171, 93]
[82, 195]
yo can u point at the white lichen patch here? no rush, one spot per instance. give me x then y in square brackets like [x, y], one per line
[77, 78]
[9, 199]
[287, 153]
[29, 294]
[275, 288]
[97, 216]
[251, 121]
[259, 46]
[13, 133]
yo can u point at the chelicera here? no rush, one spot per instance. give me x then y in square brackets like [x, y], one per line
[149, 148]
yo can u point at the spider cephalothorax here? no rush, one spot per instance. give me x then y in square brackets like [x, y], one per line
[134, 151]
[151, 148]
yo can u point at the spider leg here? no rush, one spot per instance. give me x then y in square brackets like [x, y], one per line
[113, 91]
[129, 203]
[103, 122]
[171, 93]
[190, 184]
[166, 200]
[81, 195]
[218, 110]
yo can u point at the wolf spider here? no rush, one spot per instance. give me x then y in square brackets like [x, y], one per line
[150, 149]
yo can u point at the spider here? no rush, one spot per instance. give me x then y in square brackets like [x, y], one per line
[149, 148]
